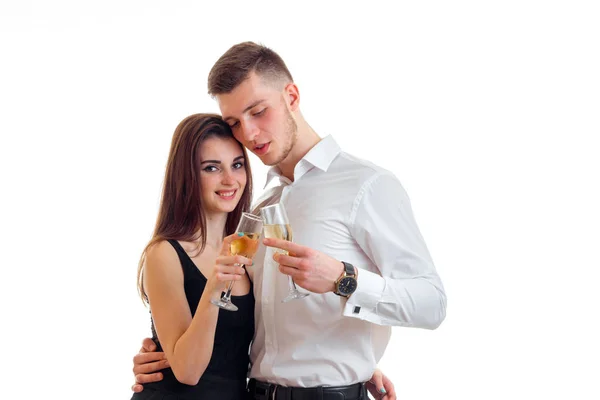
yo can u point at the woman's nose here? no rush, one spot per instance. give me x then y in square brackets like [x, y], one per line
[227, 178]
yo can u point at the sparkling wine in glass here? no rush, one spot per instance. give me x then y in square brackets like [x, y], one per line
[277, 226]
[250, 226]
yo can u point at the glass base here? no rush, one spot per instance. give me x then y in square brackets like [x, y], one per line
[225, 305]
[293, 295]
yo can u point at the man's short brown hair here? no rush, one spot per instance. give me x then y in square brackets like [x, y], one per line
[242, 59]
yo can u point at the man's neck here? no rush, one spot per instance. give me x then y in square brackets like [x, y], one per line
[306, 139]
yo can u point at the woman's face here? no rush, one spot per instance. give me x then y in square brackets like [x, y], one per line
[222, 174]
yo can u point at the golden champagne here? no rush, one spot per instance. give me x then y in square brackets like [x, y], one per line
[278, 232]
[246, 245]
[276, 225]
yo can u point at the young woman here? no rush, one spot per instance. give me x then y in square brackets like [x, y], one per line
[207, 186]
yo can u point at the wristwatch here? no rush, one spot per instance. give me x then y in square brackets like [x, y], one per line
[346, 283]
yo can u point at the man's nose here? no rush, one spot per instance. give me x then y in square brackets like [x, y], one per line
[249, 130]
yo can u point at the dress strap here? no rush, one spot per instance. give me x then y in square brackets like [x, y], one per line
[187, 264]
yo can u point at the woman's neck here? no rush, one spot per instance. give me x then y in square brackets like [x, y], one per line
[215, 229]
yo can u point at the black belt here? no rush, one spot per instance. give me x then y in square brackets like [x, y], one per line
[270, 391]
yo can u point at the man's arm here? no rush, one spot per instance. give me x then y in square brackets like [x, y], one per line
[406, 291]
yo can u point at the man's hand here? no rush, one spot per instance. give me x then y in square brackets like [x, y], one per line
[381, 387]
[146, 364]
[311, 269]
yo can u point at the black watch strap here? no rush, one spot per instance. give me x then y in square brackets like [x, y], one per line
[349, 269]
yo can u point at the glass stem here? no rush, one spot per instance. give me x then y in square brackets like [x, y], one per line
[227, 296]
[292, 284]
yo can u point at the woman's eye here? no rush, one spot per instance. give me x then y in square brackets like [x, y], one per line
[238, 165]
[210, 168]
[234, 125]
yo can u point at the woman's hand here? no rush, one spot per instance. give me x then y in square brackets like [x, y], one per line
[227, 267]
[381, 387]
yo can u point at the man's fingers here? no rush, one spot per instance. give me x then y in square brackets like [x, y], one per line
[148, 345]
[146, 364]
[142, 358]
[151, 367]
[153, 359]
[137, 388]
[297, 275]
[289, 261]
[148, 378]
[285, 245]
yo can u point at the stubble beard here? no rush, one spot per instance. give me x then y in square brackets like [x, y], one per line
[291, 133]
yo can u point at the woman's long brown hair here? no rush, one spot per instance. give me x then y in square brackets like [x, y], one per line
[181, 212]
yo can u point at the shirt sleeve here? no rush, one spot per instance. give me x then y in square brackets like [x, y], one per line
[406, 291]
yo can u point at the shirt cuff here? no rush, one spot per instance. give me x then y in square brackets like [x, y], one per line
[368, 294]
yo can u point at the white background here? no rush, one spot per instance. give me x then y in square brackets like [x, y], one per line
[488, 112]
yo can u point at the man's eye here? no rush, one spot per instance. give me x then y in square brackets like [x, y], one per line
[256, 114]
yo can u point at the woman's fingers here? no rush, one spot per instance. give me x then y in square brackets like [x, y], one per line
[232, 260]
[229, 272]
[226, 246]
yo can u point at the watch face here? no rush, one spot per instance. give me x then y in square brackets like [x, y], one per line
[347, 285]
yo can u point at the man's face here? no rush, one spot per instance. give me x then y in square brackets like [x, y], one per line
[260, 119]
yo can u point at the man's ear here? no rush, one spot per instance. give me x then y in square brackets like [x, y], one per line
[292, 96]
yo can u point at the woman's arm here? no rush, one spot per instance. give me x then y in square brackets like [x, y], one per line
[187, 342]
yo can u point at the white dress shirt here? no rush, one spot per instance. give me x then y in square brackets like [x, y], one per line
[356, 212]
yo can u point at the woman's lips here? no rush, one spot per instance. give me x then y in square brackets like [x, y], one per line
[226, 194]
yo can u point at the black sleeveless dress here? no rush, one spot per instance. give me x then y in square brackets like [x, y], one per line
[225, 375]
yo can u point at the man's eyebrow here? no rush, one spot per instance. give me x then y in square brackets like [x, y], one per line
[257, 102]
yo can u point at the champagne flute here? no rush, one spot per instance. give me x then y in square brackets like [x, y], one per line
[277, 226]
[249, 226]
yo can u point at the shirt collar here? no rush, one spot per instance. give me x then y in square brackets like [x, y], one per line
[320, 156]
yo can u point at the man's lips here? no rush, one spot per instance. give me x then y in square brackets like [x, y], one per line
[261, 149]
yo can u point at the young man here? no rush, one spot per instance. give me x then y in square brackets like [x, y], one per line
[357, 248]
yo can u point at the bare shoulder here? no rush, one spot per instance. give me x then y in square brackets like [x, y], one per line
[161, 257]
